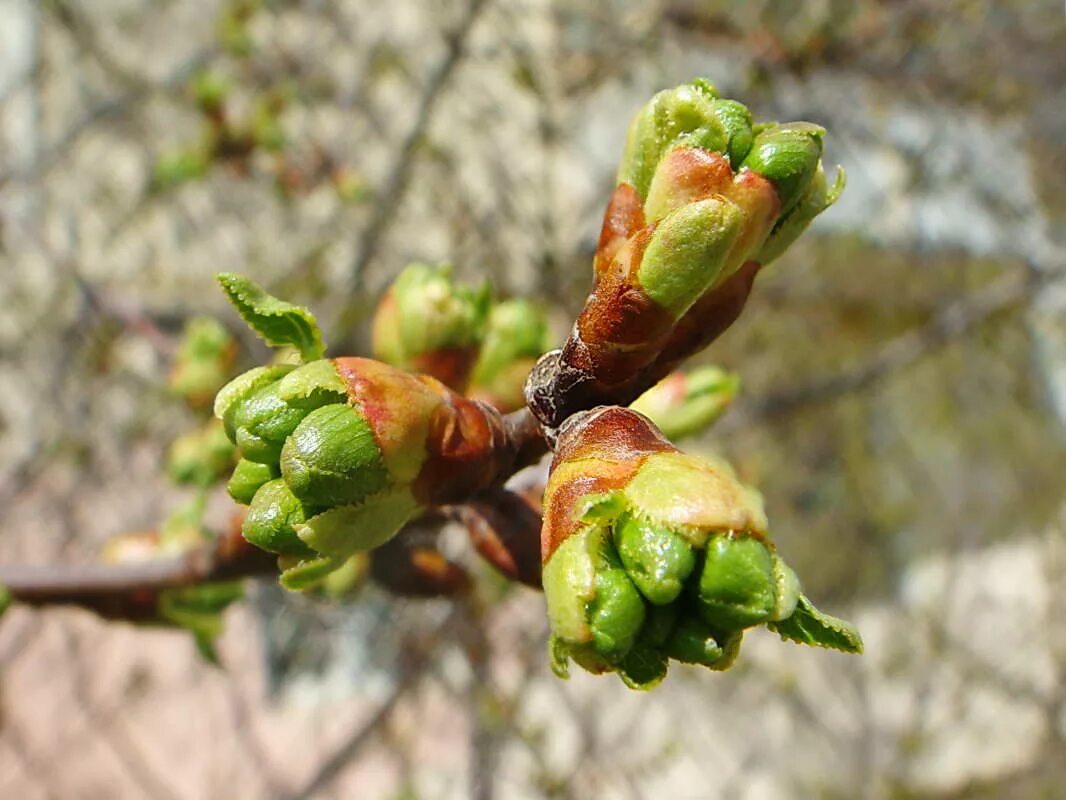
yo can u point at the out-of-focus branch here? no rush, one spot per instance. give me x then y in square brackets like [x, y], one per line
[130, 591]
[397, 180]
[53, 154]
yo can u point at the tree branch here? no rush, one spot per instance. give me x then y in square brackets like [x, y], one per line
[130, 591]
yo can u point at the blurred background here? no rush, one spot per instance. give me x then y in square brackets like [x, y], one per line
[902, 409]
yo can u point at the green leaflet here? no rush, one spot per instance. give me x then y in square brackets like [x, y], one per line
[342, 530]
[278, 323]
[310, 572]
[808, 625]
[199, 609]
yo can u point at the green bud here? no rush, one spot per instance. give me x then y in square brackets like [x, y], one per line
[688, 252]
[692, 642]
[204, 360]
[516, 329]
[331, 458]
[200, 457]
[426, 311]
[818, 197]
[645, 665]
[736, 588]
[683, 114]
[262, 422]
[569, 585]
[685, 404]
[616, 612]
[246, 479]
[788, 156]
[269, 523]
[657, 559]
[736, 121]
[233, 394]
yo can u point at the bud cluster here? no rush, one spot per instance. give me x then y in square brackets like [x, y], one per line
[647, 554]
[428, 323]
[337, 454]
[705, 197]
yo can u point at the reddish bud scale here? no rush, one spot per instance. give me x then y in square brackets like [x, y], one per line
[466, 445]
[624, 217]
[708, 319]
[610, 444]
[620, 328]
[449, 365]
[624, 341]
[504, 528]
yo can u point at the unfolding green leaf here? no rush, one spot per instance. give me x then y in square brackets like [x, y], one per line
[808, 625]
[278, 323]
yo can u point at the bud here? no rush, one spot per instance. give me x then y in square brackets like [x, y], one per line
[201, 457]
[204, 361]
[684, 404]
[246, 479]
[737, 122]
[271, 519]
[231, 397]
[788, 156]
[263, 422]
[360, 447]
[427, 323]
[650, 554]
[517, 334]
[683, 114]
[703, 195]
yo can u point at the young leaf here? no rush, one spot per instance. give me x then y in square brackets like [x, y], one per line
[278, 323]
[808, 625]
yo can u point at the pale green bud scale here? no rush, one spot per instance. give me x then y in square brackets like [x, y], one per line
[688, 251]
